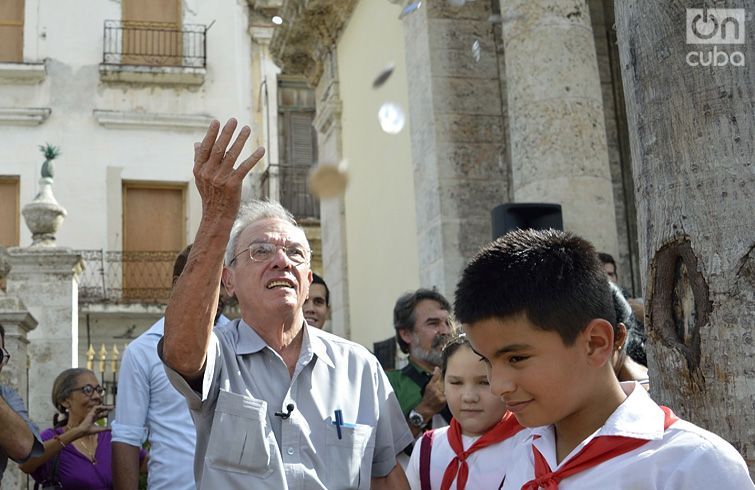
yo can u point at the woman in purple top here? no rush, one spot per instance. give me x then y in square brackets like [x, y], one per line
[77, 450]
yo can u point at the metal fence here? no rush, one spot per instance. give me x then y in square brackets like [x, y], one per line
[126, 277]
[292, 190]
[154, 44]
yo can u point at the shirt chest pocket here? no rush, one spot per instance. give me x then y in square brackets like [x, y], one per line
[239, 441]
[349, 459]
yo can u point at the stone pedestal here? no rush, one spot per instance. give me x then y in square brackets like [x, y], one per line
[46, 281]
[17, 322]
[558, 137]
[457, 132]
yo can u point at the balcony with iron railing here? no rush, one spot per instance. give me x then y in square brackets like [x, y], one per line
[126, 277]
[288, 184]
[153, 52]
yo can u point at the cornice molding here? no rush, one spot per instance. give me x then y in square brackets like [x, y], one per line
[24, 116]
[310, 29]
[146, 120]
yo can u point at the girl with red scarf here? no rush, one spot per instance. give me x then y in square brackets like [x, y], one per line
[470, 453]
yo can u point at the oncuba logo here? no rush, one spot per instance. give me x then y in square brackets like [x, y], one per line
[715, 26]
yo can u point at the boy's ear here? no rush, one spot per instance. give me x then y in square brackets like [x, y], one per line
[599, 342]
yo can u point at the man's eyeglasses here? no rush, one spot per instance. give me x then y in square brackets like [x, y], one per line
[264, 251]
[89, 390]
[5, 356]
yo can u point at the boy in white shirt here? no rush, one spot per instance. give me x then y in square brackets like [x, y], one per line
[473, 451]
[537, 308]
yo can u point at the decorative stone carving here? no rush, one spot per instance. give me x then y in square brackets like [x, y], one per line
[310, 29]
[44, 215]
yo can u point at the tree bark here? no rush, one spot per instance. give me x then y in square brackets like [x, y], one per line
[692, 135]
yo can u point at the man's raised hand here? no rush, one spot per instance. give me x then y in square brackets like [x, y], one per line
[218, 182]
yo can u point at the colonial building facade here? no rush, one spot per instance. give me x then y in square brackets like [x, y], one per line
[124, 89]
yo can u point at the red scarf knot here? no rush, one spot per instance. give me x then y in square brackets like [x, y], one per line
[505, 428]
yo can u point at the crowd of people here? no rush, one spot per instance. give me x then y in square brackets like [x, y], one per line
[535, 378]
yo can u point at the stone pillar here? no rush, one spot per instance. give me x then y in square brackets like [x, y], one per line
[557, 128]
[265, 97]
[457, 132]
[46, 280]
[305, 45]
[332, 211]
[17, 322]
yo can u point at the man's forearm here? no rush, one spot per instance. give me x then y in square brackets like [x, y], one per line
[191, 311]
[125, 466]
[16, 438]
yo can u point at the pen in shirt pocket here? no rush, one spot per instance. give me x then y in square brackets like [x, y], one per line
[338, 422]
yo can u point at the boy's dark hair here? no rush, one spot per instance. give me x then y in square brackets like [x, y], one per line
[319, 280]
[403, 312]
[451, 347]
[553, 277]
[607, 259]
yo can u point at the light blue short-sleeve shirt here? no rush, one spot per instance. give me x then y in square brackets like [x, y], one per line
[149, 407]
[242, 443]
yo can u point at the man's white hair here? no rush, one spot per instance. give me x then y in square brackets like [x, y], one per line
[256, 210]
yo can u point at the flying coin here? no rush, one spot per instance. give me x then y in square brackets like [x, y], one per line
[391, 118]
[327, 180]
[383, 76]
[410, 9]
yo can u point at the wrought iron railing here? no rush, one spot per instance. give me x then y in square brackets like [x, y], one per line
[126, 277]
[154, 44]
[288, 184]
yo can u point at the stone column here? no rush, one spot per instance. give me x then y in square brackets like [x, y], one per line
[17, 322]
[557, 128]
[46, 280]
[457, 132]
[332, 211]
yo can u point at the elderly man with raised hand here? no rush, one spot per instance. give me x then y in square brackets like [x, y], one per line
[277, 404]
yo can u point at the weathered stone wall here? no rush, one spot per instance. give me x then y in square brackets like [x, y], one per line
[17, 322]
[46, 281]
[458, 139]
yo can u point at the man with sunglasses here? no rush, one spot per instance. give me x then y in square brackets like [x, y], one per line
[277, 404]
[19, 438]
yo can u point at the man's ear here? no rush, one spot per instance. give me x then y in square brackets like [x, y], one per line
[226, 281]
[598, 342]
[406, 335]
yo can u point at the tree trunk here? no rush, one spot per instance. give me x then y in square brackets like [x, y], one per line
[692, 134]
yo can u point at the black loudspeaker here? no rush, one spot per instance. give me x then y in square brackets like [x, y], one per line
[538, 216]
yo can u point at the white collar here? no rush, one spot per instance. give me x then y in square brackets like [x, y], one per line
[638, 416]
[250, 342]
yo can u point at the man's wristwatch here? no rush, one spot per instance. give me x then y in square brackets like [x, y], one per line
[416, 419]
